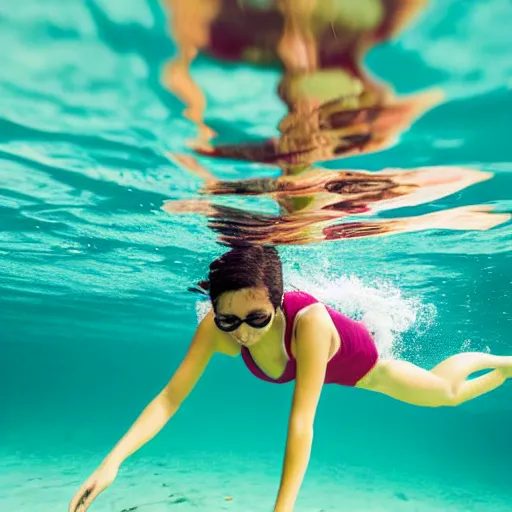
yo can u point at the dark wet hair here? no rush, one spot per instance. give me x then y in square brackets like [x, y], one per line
[245, 267]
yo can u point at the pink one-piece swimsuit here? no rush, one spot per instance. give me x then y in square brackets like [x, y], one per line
[356, 356]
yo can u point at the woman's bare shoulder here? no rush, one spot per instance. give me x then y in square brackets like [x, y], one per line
[314, 314]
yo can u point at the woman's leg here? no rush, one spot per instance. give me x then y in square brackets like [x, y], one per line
[446, 384]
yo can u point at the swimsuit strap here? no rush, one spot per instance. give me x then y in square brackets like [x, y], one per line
[293, 303]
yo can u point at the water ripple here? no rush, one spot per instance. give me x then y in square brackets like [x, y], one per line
[86, 127]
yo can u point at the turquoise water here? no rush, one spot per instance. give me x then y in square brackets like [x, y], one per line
[94, 309]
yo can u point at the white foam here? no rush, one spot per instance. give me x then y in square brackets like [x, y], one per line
[202, 308]
[381, 306]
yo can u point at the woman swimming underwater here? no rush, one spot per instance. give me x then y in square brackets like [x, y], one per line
[291, 336]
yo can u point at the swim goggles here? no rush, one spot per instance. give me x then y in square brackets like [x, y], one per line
[230, 323]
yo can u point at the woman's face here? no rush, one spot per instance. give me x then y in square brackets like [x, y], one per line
[251, 304]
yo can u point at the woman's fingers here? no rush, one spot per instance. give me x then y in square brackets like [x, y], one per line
[82, 498]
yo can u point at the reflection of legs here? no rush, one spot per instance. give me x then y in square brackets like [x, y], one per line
[444, 385]
[297, 46]
[191, 21]
[478, 217]
[431, 183]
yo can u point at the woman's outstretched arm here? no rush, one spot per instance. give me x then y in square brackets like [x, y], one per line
[314, 334]
[153, 418]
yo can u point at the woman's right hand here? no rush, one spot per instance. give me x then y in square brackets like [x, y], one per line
[92, 487]
[154, 416]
